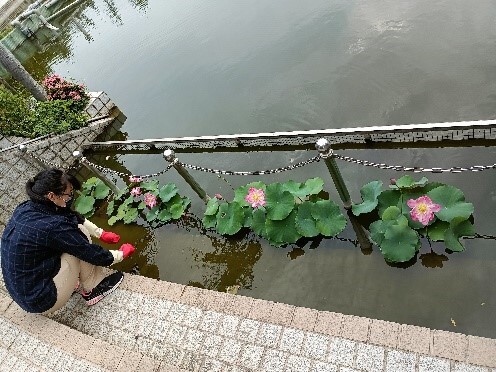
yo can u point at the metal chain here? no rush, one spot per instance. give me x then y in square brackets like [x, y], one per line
[49, 163]
[104, 169]
[251, 173]
[475, 168]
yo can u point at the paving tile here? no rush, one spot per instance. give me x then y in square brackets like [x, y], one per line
[282, 314]
[269, 335]
[274, 361]
[397, 360]
[172, 355]
[298, 364]
[193, 339]
[130, 362]
[248, 330]
[348, 369]
[192, 296]
[230, 350]
[212, 345]
[292, 341]
[315, 346]
[251, 355]
[228, 325]
[148, 364]
[324, 367]
[384, 333]
[481, 351]
[449, 345]
[355, 328]
[416, 339]
[261, 310]
[430, 364]
[463, 367]
[176, 333]
[239, 306]
[342, 352]
[211, 365]
[210, 321]
[193, 317]
[173, 292]
[177, 312]
[369, 357]
[192, 361]
[329, 323]
[304, 318]
[216, 301]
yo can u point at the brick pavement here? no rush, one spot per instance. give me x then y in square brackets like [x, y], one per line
[151, 325]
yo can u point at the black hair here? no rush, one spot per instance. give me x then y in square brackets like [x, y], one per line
[50, 180]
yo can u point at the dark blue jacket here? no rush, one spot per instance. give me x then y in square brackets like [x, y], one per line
[32, 243]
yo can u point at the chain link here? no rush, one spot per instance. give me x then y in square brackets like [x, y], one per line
[251, 173]
[474, 168]
[49, 163]
[125, 175]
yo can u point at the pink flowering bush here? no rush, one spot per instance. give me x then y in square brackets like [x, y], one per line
[409, 210]
[57, 88]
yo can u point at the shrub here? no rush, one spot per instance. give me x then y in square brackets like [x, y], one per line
[20, 117]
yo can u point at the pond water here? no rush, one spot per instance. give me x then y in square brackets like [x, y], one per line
[189, 68]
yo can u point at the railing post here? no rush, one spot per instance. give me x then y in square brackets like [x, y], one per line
[23, 149]
[79, 156]
[324, 148]
[362, 237]
[170, 156]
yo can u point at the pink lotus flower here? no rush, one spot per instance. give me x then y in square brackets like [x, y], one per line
[135, 179]
[218, 196]
[256, 197]
[423, 209]
[150, 200]
[136, 191]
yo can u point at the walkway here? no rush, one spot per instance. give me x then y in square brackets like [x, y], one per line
[151, 325]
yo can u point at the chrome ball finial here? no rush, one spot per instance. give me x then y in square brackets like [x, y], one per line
[322, 145]
[169, 155]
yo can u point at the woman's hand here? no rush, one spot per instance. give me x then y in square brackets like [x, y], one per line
[127, 250]
[109, 237]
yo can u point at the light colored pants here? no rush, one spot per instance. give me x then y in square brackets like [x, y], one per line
[71, 271]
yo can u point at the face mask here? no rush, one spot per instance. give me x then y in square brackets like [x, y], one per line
[68, 203]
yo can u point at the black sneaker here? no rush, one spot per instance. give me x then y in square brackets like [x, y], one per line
[105, 287]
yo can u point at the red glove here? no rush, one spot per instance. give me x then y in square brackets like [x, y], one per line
[127, 249]
[109, 237]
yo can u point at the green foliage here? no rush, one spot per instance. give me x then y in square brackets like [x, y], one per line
[398, 227]
[282, 214]
[157, 205]
[21, 117]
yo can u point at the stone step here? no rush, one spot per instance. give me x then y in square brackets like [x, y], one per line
[32, 342]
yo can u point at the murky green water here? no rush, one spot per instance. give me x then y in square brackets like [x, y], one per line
[179, 68]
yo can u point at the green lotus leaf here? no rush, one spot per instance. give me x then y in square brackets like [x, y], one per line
[209, 221]
[101, 190]
[167, 192]
[241, 192]
[131, 215]
[248, 212]
[150, 186]
[407, 182]
[185, 201]
[282, 231]
[110, 208]
[386, 199]
[89, 184]
[121, 193]
[230, 218]
[84, 204]
[280, 203]
[164, 215]
[141, 205]
[176, 211]
[378, 229]
[258, 222]
[459, 227]
[436, 231]
[391, 213]
[293, 187]
[399, 244]
[311, 186]
[330, 220]
[176, 199]
[369, 192]
[452, 201]
[152, 214]
[212, 207]
[305, 223]
[112, 220]
[128, 200]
